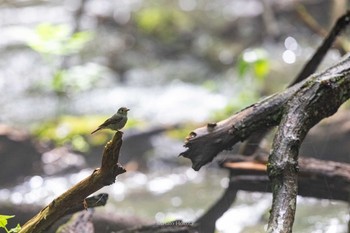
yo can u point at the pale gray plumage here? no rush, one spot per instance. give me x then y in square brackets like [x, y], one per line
[115, 122]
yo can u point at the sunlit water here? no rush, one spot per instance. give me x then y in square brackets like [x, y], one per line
[183, 194]
[156, 95]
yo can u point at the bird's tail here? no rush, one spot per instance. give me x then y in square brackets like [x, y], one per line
[95, 130]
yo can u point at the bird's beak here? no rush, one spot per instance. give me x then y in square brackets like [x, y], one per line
[127, 109]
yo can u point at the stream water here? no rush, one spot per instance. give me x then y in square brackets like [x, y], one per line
[158, 91]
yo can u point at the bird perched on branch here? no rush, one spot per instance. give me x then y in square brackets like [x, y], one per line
[115, 122]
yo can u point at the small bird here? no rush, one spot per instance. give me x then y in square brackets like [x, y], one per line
[116, 122]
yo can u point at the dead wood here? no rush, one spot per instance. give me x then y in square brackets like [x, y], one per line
[76, 196]
[204, 143]
[316, 178]
[296, 111]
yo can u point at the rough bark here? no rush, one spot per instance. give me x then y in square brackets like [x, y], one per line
[103, 176]
[296, 111]
[252, 143]
[204, 143]
[316, 178]
[318, 98]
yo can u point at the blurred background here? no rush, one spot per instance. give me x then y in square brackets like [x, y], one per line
[66, 66]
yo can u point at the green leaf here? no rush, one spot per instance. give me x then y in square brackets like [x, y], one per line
[3, 220]
[242, 67]
[57, 39]
[80, 144]
[58, 80]
[261, 68]
[16, 229]
[77, 41]
[255, 61]
[150, 18]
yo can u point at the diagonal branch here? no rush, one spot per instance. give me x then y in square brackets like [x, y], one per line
[64, 204]
[311, 66]
[252, 143]
[204, 143]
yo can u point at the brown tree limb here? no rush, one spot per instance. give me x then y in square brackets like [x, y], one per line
[316, 59]
[316, 99]
[252, 143]
[204, 143]
[310, 22]
[89, 202]
[62, 205]
[316, 178]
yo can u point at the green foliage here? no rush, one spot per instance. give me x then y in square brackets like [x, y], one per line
[182, 132]
[252, 68]
[211, 85]
[76, 78]
[54, 42]
[3, 224]
[67, 129]
[255, 61]
[162, 22]
[51, 39]
[75, 131]
[150, 19]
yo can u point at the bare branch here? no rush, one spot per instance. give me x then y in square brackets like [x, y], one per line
[316, 178]
[76, 196]
[318, 98]
[204, 143]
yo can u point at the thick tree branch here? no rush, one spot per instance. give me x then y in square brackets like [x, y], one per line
[204, 143]
[75, 196]
[252, 143]
[318, 98]
[316, 178]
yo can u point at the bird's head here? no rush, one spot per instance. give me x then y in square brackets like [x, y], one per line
[123, 110]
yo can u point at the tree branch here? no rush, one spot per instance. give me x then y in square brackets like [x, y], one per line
[316, 178]
[318, 98]
[316, 59]
[64, 204]
[252, 143]
[204, 143]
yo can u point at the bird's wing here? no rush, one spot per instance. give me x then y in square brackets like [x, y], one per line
[109, 121]
[112, 120]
